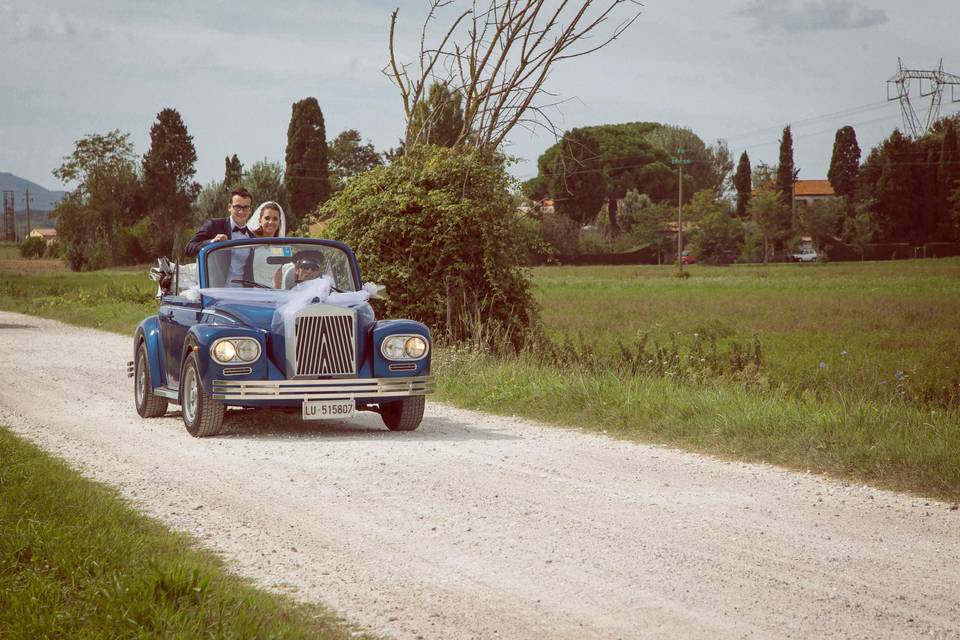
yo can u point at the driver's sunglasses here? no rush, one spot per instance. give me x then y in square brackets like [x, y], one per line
[307, 265]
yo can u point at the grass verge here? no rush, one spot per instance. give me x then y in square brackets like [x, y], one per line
[893, 445]
[110, 300]
[77, 562]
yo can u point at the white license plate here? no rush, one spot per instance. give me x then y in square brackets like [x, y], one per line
[328, 409]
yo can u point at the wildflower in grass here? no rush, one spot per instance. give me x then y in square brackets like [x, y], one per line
[900, 376]
[823, 365]
[843, 354]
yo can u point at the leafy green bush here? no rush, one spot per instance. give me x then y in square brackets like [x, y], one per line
[438, 228]
[33, 247]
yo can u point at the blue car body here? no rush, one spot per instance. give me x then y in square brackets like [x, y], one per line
[320, 352]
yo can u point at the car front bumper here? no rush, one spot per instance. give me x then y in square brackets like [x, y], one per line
[334, 389]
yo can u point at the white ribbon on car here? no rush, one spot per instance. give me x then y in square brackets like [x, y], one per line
[289, 302]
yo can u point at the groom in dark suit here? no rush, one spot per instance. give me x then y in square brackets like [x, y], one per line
[232, 227]
[239, 271]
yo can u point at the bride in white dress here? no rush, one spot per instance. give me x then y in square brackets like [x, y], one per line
[268, 221]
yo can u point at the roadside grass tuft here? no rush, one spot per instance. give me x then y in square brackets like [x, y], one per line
[77, 562]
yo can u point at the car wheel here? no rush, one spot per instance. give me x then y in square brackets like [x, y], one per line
[403, 415]
[202, 415]
[148, 404]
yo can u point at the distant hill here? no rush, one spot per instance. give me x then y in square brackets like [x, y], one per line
[40, 199]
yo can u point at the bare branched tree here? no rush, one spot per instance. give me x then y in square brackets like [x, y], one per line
[496, 56]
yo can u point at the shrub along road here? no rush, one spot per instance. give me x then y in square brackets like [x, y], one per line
[483, 526]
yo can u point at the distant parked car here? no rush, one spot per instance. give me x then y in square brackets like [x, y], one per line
[807, 254]
[687, 258]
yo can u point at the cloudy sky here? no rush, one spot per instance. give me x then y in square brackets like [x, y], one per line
[733, 69]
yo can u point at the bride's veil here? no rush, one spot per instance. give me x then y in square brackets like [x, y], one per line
[254, 223]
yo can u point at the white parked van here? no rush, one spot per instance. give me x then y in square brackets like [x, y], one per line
[807, 254]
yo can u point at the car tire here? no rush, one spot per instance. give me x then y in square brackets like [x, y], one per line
[403, 415]
[202, 415]
[149, 405]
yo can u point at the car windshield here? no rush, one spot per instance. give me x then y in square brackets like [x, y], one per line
[278, 266]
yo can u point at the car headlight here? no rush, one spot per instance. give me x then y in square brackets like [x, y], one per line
[234, 350]
[404, 347]
[415, 347]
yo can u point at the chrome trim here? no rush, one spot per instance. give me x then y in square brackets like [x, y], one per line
[182, 306]
[130, 369]
[405, 336]
[217, 314]
[237, 371]
[355, 388]
[167, 393]
[236, 359]
[402, 366]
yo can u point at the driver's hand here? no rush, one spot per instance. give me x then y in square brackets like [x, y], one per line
[220, 237]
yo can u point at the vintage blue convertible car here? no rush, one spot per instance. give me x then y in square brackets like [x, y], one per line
[277, 322]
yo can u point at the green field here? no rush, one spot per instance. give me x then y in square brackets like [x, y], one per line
[844, 328]
[846, 369]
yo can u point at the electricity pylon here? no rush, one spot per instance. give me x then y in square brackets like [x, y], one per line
[931, 84]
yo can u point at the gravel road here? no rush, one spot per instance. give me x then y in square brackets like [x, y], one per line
[477, 526]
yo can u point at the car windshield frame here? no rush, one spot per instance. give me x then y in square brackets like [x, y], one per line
[282, 251]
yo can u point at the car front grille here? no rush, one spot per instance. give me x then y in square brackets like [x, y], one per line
[325, 345]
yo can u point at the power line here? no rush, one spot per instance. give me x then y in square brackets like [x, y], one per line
[873, 106]
[823, 131]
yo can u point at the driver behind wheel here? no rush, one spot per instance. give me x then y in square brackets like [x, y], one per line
[307, 265]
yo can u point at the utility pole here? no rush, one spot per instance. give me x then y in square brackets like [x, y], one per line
[9, 221]
[26, 200]
[680, 161]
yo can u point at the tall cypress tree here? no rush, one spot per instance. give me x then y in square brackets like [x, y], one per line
[845, 163]
[743, 184]
[167, 178]
[307, 176]
[233, 171]
[786, 173]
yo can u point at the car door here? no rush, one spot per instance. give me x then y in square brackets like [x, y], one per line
[177, 315]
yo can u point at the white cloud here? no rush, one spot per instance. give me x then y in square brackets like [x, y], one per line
[814, 15]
